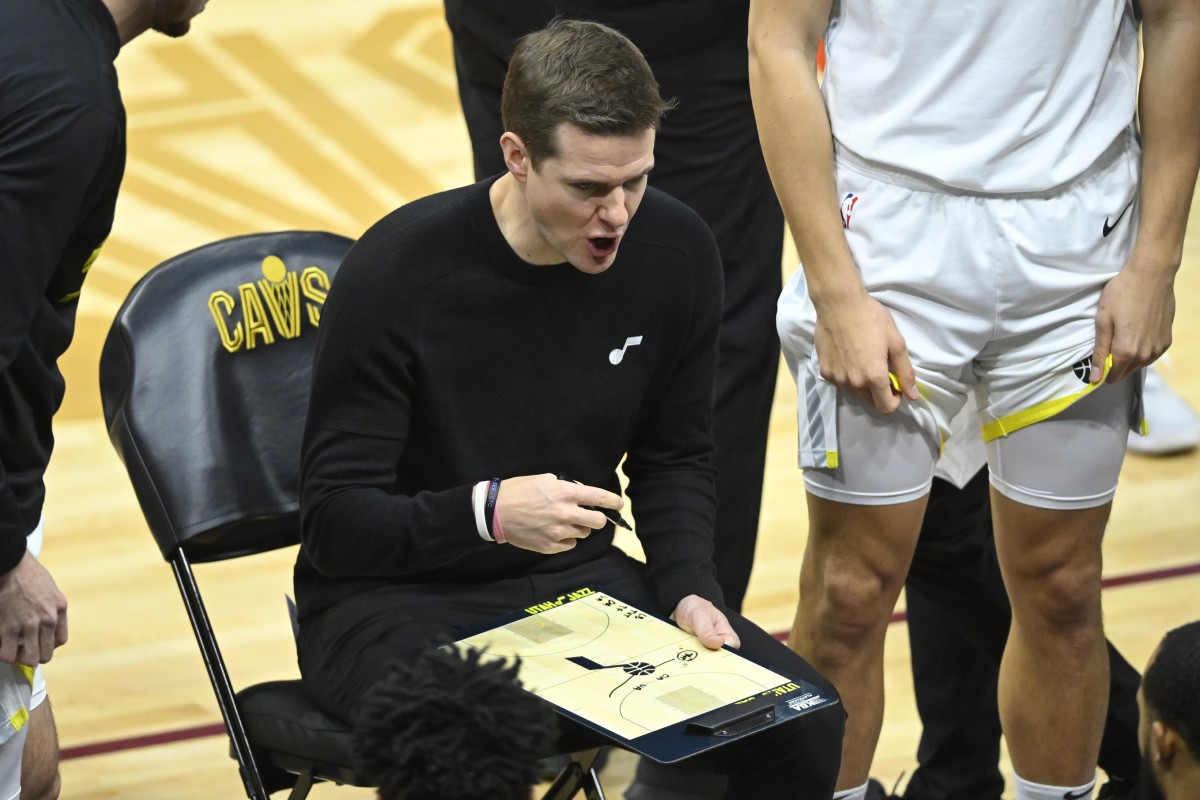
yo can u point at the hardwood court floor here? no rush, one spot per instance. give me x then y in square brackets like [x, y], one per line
[279, 114]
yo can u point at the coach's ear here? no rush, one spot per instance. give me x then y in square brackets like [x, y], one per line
[516, 157]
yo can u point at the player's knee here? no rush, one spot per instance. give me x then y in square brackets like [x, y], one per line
[853, 604]
[1068, 601]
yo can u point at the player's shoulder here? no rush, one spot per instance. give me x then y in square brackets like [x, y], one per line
[57, 55]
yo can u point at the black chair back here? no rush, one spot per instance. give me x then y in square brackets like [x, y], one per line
[204, 382]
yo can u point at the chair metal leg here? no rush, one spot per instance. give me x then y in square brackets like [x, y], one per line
[592, 789]
[304, 784]
[579, 774]
[219, 677]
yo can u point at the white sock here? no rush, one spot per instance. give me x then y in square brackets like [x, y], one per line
[1037, 791]
[852, 794]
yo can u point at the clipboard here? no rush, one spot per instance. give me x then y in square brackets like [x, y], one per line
[638, 679]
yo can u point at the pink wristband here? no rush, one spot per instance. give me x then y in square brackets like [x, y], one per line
[497, 531]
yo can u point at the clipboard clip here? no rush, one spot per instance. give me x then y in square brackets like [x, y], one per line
[735, 720]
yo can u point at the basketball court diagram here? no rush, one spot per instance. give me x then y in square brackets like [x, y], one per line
[621, 668]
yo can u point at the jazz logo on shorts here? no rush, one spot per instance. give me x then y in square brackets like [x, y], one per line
[848, 203]
[277, 305]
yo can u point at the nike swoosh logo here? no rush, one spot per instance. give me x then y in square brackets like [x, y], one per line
[1087, 793]
[1108, 228]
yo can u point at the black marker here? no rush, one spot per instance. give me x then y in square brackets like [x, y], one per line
[612, 516]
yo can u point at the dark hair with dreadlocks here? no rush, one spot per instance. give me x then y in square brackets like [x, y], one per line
[1170, 684]
[448, 724]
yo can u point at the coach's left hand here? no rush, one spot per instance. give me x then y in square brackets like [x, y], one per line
[705, 621]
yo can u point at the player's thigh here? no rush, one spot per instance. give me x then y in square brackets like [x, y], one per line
[16, 693]
[1053, 484]
[874, 459]
[39, 763]
[1071, 460]
[10, 764]
[865, 513]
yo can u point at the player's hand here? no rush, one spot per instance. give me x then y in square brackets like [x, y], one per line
[705, 621]
[1133, 322]
[857, 345]
[544, 514]
[33, 614]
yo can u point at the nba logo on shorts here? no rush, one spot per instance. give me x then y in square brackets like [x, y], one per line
[848, 203]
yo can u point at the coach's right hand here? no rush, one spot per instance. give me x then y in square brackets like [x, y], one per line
[544, 514]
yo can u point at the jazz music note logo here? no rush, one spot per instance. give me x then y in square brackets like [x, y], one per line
[616, 356]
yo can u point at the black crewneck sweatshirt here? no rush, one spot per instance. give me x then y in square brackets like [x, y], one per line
[444, 360]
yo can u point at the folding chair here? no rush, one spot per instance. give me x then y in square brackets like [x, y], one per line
[204, 379]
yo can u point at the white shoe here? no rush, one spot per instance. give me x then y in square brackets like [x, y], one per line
[1174, 426]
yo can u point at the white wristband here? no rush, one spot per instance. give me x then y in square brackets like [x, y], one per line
[478, 499]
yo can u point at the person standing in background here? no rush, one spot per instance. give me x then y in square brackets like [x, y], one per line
[62, 157]
[956, 188]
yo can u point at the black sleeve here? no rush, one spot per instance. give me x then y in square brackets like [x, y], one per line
[52, 166]
[355, 522]
[670, 469]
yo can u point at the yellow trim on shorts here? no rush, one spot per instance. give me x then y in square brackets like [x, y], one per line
[19, 719]
[895, 381]
[831, 459]
[27, 671]
[1028, 416]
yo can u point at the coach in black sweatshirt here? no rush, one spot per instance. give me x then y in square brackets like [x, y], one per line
[480, 343]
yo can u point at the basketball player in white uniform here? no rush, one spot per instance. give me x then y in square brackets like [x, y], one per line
[975, 215]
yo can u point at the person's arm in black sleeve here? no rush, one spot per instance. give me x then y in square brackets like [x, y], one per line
[355, 521]
[51, 167]
[355, 524]
[49, 163]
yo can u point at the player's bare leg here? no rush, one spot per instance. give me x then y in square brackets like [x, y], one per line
[39, 761]
[1054, 675]
[854, 566]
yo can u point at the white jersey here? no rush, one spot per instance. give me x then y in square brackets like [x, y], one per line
[993, 96]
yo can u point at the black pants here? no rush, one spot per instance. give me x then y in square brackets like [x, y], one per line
[346, 649]
[958, 620]
[707, 155]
